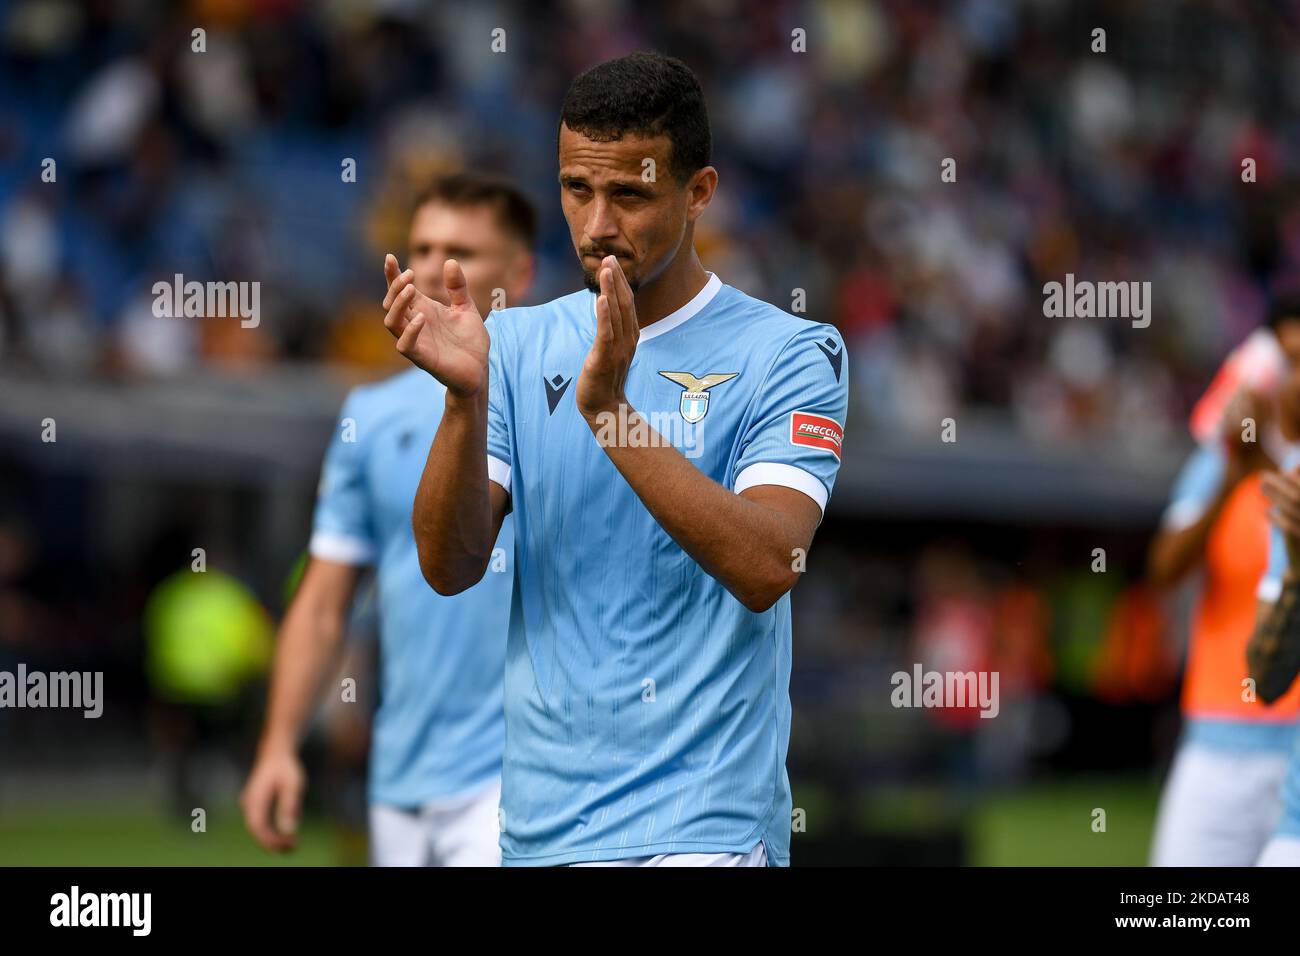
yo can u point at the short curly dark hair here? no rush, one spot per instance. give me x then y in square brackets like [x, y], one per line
[644, 94]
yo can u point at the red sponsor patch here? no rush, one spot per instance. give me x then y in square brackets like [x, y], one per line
[816, 431]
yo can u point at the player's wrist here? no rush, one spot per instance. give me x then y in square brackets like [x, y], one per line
[602, 413]
[277, 744]
[462, 401]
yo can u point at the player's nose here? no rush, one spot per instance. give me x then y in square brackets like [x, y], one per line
[603, 224]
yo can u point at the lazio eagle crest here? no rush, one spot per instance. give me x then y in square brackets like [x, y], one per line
[695, 397]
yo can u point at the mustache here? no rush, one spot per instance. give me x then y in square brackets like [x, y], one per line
[589, 277]
[603, 251]
[592, 283]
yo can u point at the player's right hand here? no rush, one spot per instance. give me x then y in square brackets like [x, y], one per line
[449, 341]
[272, 800]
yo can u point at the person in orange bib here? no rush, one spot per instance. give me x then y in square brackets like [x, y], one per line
[1222, 799]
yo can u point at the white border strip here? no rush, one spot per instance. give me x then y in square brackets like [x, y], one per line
[787, 476]
[499, 471]
[674, 319]
[341, 548]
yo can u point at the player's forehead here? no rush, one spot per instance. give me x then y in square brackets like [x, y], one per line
[600, 161]
[462, 224]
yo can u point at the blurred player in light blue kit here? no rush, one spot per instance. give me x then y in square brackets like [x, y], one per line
[666, 445]
[435, 763]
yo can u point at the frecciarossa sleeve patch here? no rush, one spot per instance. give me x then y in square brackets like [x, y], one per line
[816, 431]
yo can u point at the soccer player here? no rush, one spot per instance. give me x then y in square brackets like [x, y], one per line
[435, 763]
[1222, 798]
[648, 662]
[1273, 653]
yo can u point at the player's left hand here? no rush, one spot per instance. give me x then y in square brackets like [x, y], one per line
[604, 373]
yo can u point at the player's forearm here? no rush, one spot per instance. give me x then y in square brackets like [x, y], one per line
[1273, 652]
[1174, 554]
[746, 546]
[308, 644]
[452, 517]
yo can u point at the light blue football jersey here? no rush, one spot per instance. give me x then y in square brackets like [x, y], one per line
[1289, 823]
[439, 730]
[647, 710]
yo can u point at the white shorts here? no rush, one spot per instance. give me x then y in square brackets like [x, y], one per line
[755, 857]
[450, 831]
[1218, 808]
[1281, 851]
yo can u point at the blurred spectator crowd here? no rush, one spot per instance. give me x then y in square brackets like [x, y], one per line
[227, 164]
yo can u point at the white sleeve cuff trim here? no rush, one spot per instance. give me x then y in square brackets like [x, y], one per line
[788, 476]
[1270, 589]
[341, 548]
[499, 471]
[1182, 514]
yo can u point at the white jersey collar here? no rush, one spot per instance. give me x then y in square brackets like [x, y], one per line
[674, 319]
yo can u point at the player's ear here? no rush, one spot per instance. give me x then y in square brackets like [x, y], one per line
[699, 190]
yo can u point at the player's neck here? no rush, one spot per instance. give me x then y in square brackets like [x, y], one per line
[676, 286]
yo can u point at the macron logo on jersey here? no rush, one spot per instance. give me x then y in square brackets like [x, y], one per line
[816, 431]
[834, 354]
[555, 389]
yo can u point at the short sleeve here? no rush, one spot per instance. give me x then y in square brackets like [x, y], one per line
[796, 431]
[1195, 487]
[342, 528]
[498, 425]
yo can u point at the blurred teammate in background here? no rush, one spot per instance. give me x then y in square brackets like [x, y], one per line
[1273, 653]
[435, 762]
[1222, 798]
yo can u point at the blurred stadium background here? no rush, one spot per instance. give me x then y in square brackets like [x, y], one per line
[174, 434]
